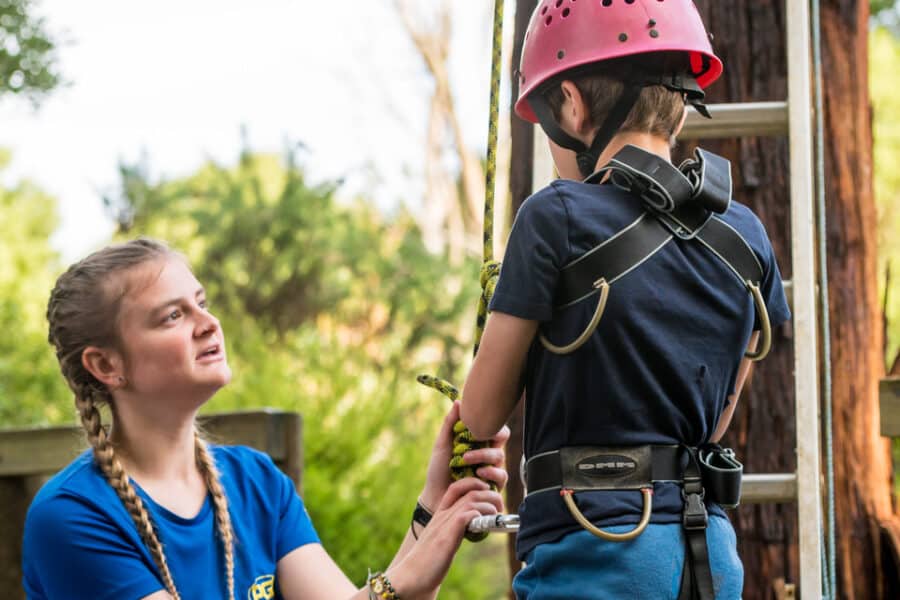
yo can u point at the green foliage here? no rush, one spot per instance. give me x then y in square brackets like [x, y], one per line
[31, 390]
[884, 62]
[876, 7]
[330, 310]
[27, 52]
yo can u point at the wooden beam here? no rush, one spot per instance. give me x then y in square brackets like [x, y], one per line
[889, 401]
[45, 450]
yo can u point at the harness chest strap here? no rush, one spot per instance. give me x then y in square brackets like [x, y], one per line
[681, 203]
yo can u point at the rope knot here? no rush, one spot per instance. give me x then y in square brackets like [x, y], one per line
[490, 271]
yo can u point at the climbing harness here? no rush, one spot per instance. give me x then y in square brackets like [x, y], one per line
[463, 440]
[707, 474]
[681, 203]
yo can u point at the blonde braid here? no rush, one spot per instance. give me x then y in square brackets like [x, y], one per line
[207, 467]
[112, 468]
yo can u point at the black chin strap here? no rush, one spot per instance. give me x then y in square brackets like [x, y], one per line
[587, 157]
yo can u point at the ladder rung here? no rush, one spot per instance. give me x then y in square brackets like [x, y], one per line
[769, 487]
[737, 119]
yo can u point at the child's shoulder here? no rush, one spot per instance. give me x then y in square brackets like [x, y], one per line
[564, 196]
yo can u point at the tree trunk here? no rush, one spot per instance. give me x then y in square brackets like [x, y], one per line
[520, 177]
[750, 38]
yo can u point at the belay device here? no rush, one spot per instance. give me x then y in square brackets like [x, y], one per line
[681, 203]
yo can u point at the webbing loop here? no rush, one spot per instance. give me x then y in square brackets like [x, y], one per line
[603, 286]
[765, 338]
[646, 492]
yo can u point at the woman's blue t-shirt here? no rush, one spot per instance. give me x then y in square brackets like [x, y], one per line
[662, 362]
[81, 543]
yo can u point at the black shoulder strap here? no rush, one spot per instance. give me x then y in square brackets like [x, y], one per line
[680, 204]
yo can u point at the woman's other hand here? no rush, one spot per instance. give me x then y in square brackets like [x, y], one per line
[422, 570]
[491, 458]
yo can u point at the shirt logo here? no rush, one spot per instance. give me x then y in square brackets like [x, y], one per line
[606, 465]
[263, 588]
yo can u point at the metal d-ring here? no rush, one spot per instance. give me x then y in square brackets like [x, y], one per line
[765, 342]
[606, 535]
[595, 320]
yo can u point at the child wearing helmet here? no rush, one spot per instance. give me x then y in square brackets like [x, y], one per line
[647, 267]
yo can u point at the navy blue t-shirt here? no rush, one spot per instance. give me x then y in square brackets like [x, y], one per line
[81, 543]
[660, 365]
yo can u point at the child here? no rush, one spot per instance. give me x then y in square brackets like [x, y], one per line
[151, 510]
[661, 372]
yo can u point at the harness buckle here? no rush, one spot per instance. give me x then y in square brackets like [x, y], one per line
[695, 515]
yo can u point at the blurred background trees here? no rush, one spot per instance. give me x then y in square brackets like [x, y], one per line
[27, 52]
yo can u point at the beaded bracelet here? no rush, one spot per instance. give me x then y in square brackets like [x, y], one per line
[380, 587]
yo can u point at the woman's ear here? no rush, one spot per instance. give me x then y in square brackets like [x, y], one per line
[105, 365]
[575, 113]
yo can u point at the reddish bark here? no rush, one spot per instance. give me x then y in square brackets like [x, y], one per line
[750, 39]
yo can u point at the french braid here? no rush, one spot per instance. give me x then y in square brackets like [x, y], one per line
[82, 312]
[220, 503]
[112, 468]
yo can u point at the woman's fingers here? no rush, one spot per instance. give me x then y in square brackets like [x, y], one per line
[499, 440]
[485, 456]
[497, 475]
[460, 488]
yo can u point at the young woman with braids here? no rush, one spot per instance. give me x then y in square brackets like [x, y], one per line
[151, 510]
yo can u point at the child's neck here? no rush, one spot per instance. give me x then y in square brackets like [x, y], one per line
[645, 141]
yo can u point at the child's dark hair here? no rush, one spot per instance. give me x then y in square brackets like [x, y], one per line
[83, 311]
[658, 111]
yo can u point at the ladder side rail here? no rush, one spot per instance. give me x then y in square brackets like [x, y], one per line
[805, 322]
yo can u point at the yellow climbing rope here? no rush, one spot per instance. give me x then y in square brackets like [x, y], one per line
[463, 441]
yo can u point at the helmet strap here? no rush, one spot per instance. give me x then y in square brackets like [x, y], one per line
[587, 160]
[587, 157]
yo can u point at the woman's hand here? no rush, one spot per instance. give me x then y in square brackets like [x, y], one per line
[421, 571]
[491, 457]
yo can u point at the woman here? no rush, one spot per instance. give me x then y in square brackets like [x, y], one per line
[151, 510]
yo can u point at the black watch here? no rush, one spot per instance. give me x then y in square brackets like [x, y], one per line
[421, 515]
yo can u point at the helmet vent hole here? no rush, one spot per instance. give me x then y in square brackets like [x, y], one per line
[544, 10]
[565, 12]
[548, 20]
[629, 1]
[607, 3]
[559, 3]
[561, 54]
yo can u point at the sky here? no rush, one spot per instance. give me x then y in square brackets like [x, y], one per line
[174, 84]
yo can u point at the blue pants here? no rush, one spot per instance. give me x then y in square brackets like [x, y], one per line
[581, 566]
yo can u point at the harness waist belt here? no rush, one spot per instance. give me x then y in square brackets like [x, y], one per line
[582, 468]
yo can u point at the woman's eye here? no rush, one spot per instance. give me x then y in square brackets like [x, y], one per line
[204, 304]
[174, 315]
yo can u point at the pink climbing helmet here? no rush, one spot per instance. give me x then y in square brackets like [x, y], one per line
[565, 34]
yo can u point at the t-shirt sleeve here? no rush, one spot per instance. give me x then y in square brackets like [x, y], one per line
[772, 287]
[295, 528]
[73, 550]
[534, 256]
